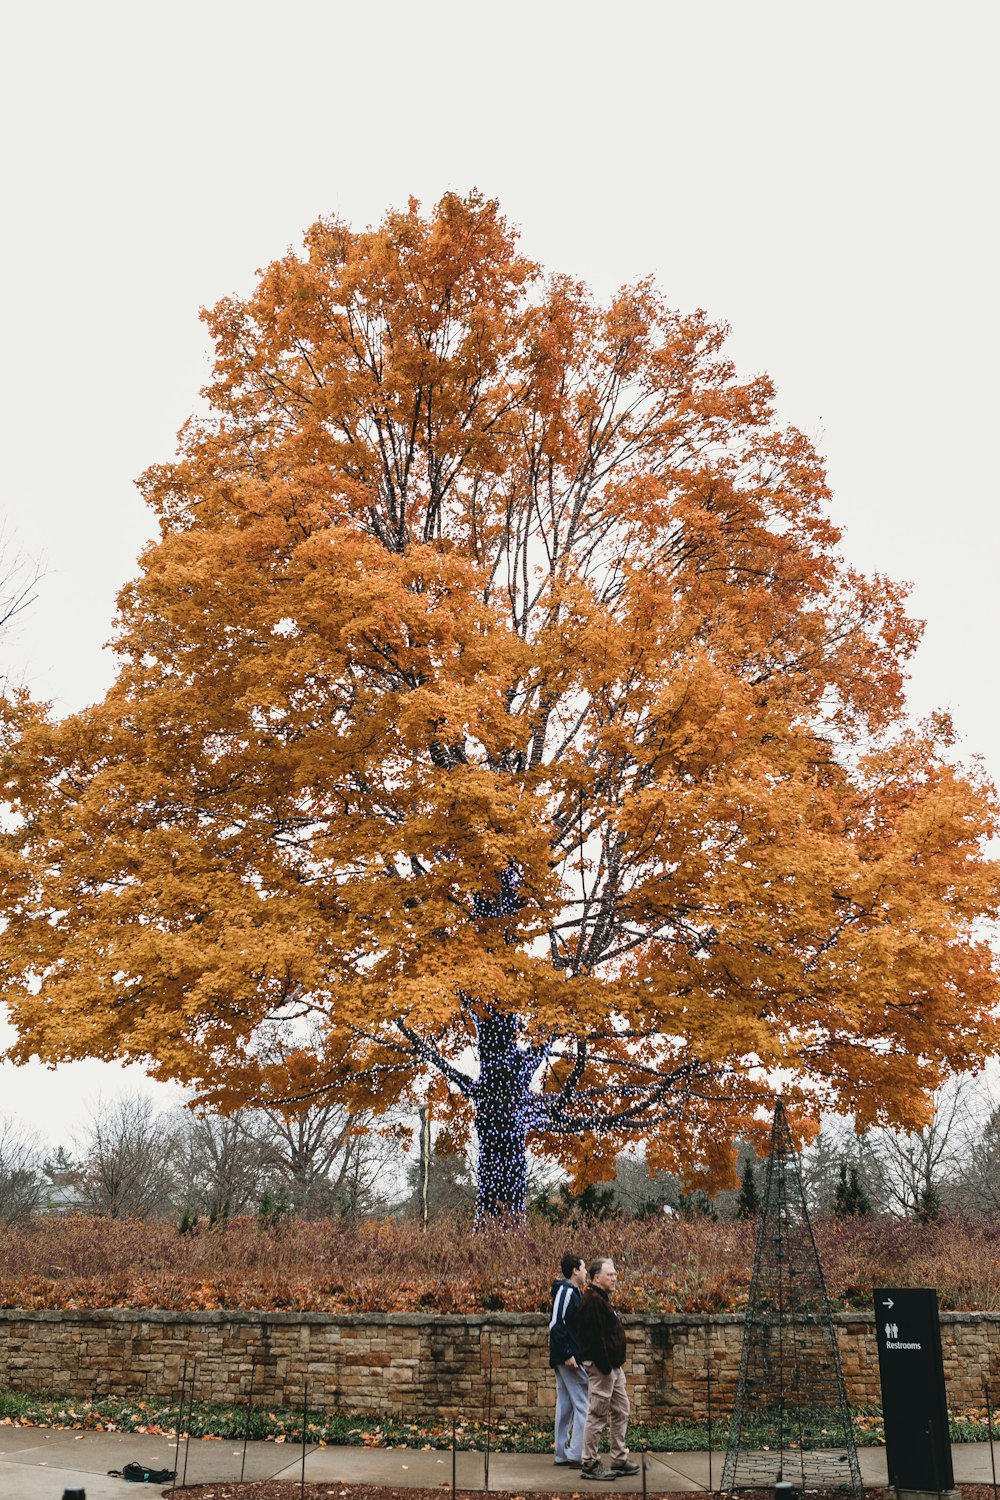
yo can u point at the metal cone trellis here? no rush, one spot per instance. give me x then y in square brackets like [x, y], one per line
[791, 1420]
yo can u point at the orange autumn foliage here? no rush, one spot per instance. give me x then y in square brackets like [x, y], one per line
[495, 709]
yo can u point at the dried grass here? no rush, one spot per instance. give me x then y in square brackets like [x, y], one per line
[668, 1265]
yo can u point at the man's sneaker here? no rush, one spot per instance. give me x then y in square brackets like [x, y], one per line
[568, 1463]
[627, 1467]
[596, 1470]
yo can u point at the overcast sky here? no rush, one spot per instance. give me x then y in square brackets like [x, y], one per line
[821, 177]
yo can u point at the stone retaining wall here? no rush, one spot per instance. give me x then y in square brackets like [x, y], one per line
[414, 1364]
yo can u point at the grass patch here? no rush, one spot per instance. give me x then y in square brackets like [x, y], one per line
[365, 1430]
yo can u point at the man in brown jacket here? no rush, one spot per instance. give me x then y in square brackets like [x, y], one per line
[602, 1351]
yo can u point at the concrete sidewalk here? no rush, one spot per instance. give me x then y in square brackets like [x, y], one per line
[38, 1463]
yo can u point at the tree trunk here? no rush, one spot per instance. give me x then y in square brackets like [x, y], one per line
[502, 1108]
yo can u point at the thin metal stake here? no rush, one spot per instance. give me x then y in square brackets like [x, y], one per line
[180, 1423]
[305, 1408]
[489, 1420]
[454, 1457]
[989, 1420]
[187, 1438]
[644, 1492]
[246, 1425]
[708, 1383]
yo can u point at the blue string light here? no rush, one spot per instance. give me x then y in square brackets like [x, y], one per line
[501, 1095]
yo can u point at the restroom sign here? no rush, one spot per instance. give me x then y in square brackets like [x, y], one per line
[914, 1405]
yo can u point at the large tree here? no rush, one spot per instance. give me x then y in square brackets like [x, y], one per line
[496, 700]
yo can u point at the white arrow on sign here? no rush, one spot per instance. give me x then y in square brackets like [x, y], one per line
[888, 1302]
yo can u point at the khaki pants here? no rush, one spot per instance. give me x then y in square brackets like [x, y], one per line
[606, 1397]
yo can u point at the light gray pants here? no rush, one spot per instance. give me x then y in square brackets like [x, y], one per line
[572, 1389]
[607, 1397]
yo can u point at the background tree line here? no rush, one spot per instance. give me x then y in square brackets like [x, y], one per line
[131, 1160]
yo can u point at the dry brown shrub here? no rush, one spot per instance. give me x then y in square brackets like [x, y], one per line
[665, 1265]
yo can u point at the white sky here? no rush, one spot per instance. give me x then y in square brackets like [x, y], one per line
[822, 177]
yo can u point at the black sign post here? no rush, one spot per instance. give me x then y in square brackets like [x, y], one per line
[911, 1370]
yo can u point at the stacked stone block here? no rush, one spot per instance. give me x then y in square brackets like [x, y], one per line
[415, 1364]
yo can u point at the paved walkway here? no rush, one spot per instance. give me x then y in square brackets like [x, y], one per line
[38, 1463]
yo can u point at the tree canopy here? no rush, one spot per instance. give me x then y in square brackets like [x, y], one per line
[496, 715]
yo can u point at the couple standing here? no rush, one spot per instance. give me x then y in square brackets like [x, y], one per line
[587, 1352]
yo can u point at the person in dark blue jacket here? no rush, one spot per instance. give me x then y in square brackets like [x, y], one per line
[564, 1357]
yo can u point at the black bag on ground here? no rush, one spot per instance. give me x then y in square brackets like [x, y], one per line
[142, 1474]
